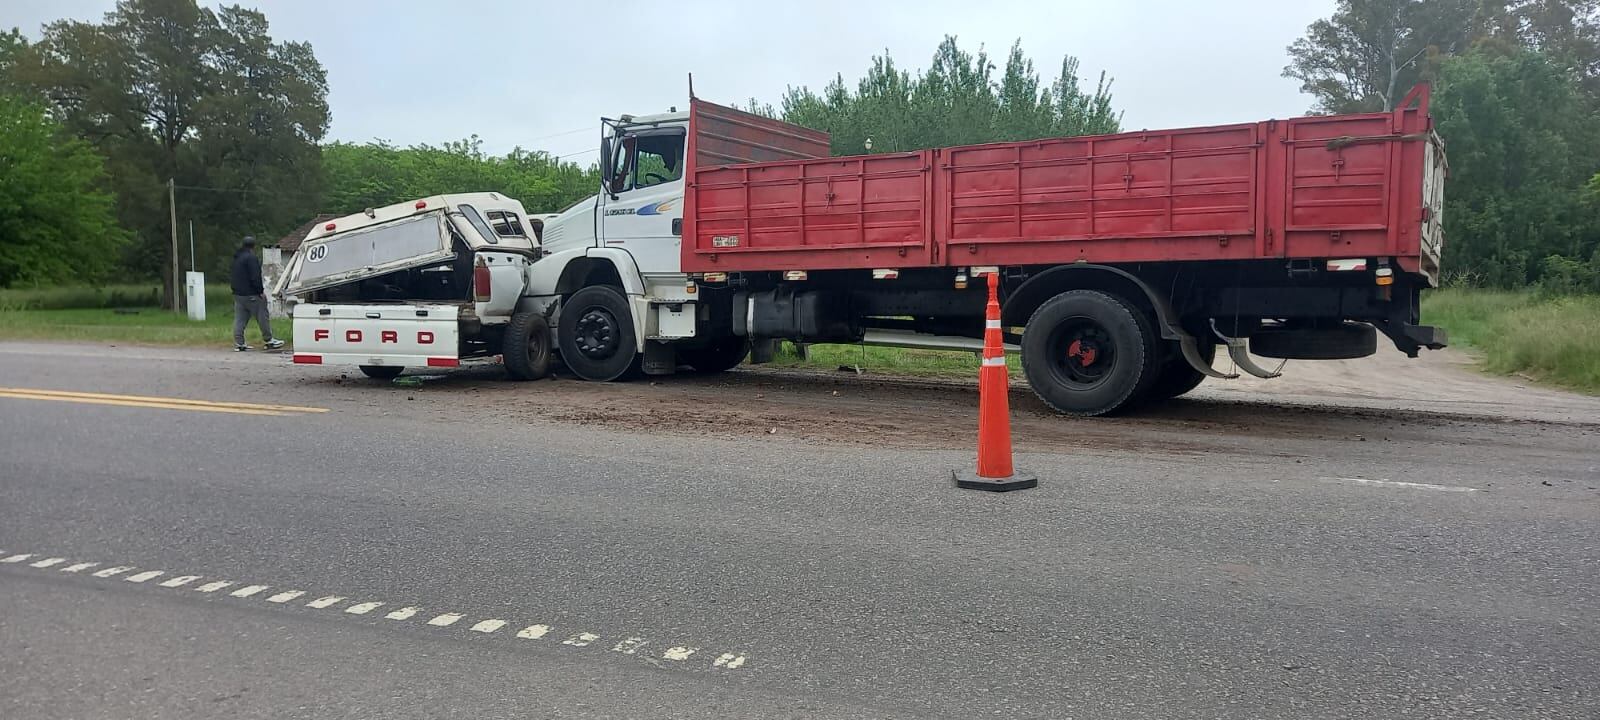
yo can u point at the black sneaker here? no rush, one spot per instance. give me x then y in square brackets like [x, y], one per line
[274, 344]
[241, 348]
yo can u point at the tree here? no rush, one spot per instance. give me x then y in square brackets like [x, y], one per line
[13, 47]
[955, 101]
[378, 174]
[1370, 52]
[56, 222]
[1521, 136]
[168, 89]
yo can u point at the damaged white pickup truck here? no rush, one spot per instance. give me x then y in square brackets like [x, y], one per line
[427, 283]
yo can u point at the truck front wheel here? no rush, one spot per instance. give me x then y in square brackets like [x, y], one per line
[1088, 353]
[596, 334]
[526, 346]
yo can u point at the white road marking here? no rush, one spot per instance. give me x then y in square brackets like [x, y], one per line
[629, 646]
[533, 632]
[581, 639]
[1401, 484]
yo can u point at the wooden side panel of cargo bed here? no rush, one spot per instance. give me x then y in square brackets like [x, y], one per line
[846, 212]
[1168, 195]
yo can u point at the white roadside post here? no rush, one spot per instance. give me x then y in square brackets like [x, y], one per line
[194, 284]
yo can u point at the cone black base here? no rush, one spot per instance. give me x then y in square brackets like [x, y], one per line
[1020, 480]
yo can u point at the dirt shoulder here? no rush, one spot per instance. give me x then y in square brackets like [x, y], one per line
[1427, 406]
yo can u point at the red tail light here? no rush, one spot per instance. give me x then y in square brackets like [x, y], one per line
[443, 362]
[481, 282]
[307, 359]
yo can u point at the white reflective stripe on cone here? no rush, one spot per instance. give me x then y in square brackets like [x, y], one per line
[991, 362]
[991, 325]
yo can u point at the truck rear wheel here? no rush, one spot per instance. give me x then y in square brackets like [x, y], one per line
[526, 346]
[596, 334]
[722, 354]
[1177, 376]
[1088, 353]
[382, 372]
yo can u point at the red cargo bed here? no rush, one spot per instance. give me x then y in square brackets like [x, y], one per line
[1311, 187]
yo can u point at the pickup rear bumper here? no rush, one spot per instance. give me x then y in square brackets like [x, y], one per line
[307, 358]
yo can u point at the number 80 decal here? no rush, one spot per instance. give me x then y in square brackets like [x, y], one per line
[317, 253]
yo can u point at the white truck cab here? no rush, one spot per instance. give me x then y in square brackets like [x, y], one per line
[425, 283]
[613, 269]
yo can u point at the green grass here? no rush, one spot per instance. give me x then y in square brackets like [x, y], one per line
[66, 298]
[1549, 339]
[890, 361]
[145, 326]
[129, 295]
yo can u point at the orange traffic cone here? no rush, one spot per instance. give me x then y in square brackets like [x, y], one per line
[995, 472]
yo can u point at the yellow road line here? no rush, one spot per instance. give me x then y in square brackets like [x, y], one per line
[132, 403]
[194, 404]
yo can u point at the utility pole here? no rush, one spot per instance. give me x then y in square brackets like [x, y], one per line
[172, 209]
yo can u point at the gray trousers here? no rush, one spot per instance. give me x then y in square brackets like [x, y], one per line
[246, 307]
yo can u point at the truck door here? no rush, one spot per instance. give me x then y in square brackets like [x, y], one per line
[643, 212]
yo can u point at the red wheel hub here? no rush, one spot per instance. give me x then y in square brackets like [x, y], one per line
[1083, 353]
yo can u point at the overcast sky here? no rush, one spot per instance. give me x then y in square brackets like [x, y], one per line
[540, 74]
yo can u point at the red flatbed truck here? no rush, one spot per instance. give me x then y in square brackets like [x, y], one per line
[1123, 260]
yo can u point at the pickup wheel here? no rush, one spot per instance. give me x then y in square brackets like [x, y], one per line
[722, 354]
[596, 334]
[526, 346]
[1088, 353]
[382, 372]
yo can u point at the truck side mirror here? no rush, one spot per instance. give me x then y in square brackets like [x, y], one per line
[608, 169]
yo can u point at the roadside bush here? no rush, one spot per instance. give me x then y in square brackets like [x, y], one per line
[1565, 276]
[80, 297]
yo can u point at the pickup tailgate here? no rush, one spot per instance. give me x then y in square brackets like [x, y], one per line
[403, 334]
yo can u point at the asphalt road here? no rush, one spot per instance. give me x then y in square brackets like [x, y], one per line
[367, 551]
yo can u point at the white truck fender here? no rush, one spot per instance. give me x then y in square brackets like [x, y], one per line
[544, 282]
[627, 269]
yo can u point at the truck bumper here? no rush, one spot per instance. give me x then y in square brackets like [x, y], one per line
[1412, 338]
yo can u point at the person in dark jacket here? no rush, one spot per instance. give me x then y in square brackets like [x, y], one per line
[249, 297]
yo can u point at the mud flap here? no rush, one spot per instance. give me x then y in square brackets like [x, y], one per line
[1191, 353]
[659, 358]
